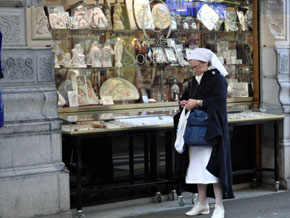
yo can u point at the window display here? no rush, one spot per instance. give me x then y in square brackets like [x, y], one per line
[129, 40]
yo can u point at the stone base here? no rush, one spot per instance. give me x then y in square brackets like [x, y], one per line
[285, 184]
[36, 195]
[61, 215]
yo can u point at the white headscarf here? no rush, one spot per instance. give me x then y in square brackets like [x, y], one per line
[206, 55]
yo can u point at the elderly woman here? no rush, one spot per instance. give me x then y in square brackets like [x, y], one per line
[200, 166]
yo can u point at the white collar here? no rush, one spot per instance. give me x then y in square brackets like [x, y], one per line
[198, 78]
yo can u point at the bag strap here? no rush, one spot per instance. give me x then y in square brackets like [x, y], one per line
[187, 114]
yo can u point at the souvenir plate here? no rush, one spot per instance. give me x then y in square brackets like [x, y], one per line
[161, 16]
[120, 89]
[142, 14]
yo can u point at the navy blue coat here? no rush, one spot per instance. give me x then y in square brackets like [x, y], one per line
[213, 92]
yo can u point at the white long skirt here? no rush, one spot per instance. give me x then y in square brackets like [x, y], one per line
[198, 160]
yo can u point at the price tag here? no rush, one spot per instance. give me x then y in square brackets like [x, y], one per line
[145, 99]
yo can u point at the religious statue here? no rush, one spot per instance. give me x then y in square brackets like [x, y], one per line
[185, 25]
[118, 49]
[67, 84]
[175, 91]
[78, 58]
[95, 56]
[97, 18]
[107, 53]
[66, 60]
[118, 18]
[57, 52]
[82, 18]
[108, 15]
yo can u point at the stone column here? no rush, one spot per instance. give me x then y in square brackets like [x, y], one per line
[278, 19]
[33, 179]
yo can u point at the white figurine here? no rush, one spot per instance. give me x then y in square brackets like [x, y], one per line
[118, 49]
[78, 58]
[57, 52]
[118, 18]
[175, 91]
[108, 15]
[107, 53]
[97, 19]
[185, 25]
[66, 60]
[95, 55]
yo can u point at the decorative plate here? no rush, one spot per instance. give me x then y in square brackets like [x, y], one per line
[142, 14]
[161, 16]
[120, 89]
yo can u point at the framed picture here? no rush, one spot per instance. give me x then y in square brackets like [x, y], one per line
[72, 23]
[158, 55]
[171, 57]
[73, 98]
[54, 9]
[173, 23]
[171, 43]
[81, 15]
[59, 20]
[207, 16]
[96, 18]
[82, 88]
[239, 89]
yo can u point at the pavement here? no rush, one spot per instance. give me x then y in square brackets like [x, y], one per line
[248, 203]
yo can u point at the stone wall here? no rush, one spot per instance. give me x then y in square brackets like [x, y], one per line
[33, 180]
[275, 79]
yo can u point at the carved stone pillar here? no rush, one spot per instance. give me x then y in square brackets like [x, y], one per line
[277, 12]
[33, 180]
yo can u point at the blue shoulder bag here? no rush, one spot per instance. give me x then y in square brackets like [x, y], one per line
[196, 129]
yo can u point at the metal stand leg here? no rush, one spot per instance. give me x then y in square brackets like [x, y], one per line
[146, 157]
[78, 149]
[194, 198]
[277, 185]
[158, 197]
[80, 214]
[173, 195]
[131, 158]
[254, 183]
[276, 155]
[181, 201]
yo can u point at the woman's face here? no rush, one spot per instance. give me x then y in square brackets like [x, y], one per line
[198, 67]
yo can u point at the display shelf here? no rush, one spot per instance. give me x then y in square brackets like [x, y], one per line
[93, 108]
[155, 78]
[148, 118]
[134, 32]
[117, 107]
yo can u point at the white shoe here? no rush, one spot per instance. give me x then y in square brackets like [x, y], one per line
[198, 209]
[219, 212]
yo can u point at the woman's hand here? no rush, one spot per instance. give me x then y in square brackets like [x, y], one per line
[182, 103]
[191, 104]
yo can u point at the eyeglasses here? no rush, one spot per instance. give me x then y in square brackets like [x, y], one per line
[201, 66]
[197, 66]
